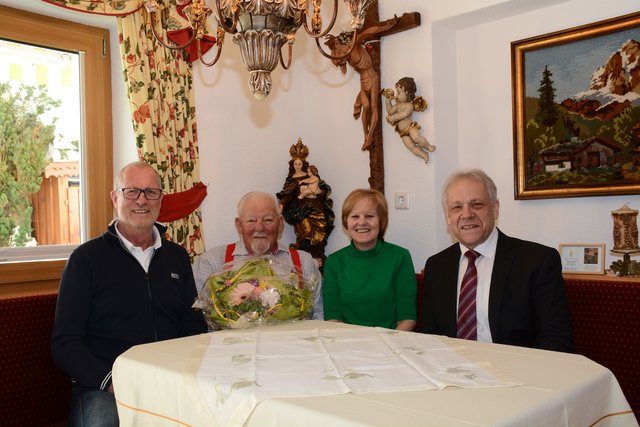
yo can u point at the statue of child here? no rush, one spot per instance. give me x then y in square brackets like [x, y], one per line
[310, 187]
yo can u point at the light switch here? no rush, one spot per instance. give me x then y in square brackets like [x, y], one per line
[402, 200]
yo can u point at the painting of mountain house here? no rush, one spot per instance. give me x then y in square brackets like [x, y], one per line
[577, 111]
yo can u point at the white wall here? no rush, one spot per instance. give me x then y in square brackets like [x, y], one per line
[246, 143]
[484, 115]
[460, 59]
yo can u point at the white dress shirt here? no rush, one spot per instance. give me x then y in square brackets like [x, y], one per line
[143, 256]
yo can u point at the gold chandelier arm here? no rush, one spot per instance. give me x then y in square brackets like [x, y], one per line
[151, 6]
[288, 64]
[201, 56]
[339, 58]
[329, 28]
[234, 21]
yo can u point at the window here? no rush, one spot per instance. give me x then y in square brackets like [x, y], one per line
[91, 46]
[52, 215]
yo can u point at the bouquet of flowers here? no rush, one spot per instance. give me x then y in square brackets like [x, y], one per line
[255, 292]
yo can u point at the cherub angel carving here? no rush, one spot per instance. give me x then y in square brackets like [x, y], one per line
[400, 110]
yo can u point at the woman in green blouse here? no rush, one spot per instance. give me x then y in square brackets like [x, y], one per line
[370, 282]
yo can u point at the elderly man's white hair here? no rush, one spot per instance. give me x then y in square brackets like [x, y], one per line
[258, 194]
[477, 175]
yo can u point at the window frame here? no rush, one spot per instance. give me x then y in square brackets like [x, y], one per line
[27, 27]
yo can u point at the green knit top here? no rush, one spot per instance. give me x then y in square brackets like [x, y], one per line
[370, 288]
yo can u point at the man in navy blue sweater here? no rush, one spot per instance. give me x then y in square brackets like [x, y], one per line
[126, 287]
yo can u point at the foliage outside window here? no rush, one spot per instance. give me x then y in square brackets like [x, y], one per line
[24, 146]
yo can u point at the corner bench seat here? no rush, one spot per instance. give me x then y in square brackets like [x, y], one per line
[606, 326]
[605, 315]
[34, 391]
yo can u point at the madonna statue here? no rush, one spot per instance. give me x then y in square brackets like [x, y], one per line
[306, 204]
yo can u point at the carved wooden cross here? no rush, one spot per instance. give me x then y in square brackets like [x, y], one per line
[406, 22]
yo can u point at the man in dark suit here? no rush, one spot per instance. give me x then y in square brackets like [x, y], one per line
[518, 292]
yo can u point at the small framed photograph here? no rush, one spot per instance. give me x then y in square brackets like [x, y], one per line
[583, 258]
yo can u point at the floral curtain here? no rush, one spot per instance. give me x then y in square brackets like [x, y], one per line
[101, 7]
[160, 89]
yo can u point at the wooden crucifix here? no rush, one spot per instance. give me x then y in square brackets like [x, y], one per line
[365, 59]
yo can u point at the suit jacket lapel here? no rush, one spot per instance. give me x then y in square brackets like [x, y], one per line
[452, 264]
[499, 278]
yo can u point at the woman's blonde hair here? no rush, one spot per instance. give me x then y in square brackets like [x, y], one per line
[378, 200]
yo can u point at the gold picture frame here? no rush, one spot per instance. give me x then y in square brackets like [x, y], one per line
[575, 123]
[583, 258]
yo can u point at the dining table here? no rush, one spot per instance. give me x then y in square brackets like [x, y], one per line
[318, 373]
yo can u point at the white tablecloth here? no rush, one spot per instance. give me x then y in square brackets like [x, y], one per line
[217, 379]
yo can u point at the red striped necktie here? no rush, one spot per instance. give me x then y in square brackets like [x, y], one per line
[467, 302]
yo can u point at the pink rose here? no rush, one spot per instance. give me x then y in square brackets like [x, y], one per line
[241, 293]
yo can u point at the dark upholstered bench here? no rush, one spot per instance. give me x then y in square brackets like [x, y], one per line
[605, 313]
[34, 391]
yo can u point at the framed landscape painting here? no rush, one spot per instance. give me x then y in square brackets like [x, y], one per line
[576, 111]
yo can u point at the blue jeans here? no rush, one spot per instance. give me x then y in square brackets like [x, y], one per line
[92, 407]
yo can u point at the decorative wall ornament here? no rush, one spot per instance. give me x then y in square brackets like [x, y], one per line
[371, 46]
[349, 48]
[400, 108]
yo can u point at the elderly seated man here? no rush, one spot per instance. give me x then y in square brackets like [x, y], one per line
[259, 223]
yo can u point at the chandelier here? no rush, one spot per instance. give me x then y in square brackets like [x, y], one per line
[260, 28]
